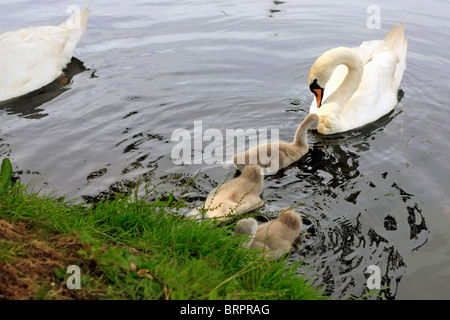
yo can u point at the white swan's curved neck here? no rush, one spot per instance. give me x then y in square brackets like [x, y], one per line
[353, 62]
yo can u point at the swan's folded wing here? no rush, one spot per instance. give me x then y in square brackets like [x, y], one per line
[375, 96]
[368, 49]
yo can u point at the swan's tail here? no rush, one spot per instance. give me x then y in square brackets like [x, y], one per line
[396, 41]
[76, 27]
[290, 218]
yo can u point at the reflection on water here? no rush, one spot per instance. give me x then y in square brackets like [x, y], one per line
[342, 243]
[340, 250]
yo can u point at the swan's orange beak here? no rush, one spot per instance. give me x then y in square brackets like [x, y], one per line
[319, 95]
[318, 92]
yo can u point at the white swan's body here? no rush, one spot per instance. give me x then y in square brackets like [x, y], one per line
[33, 57]
[274, 156]
[240, 195]
[356, 86]
[274, 238]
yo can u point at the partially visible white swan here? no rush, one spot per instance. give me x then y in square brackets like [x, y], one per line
[356, 86]
[237, 196]
[33, 57]
[274, 156]
[274, 238]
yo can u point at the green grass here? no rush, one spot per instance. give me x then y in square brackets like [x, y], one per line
[133, 249]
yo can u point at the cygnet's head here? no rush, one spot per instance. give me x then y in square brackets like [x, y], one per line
[312, 121]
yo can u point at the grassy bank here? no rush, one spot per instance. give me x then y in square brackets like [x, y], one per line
[128, 248]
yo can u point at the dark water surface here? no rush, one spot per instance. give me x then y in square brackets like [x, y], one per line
[375, 196]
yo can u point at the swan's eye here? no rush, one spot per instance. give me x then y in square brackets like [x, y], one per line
[314, 86]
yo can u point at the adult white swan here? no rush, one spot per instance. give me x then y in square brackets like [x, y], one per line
[356, 86]
[32, 57]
